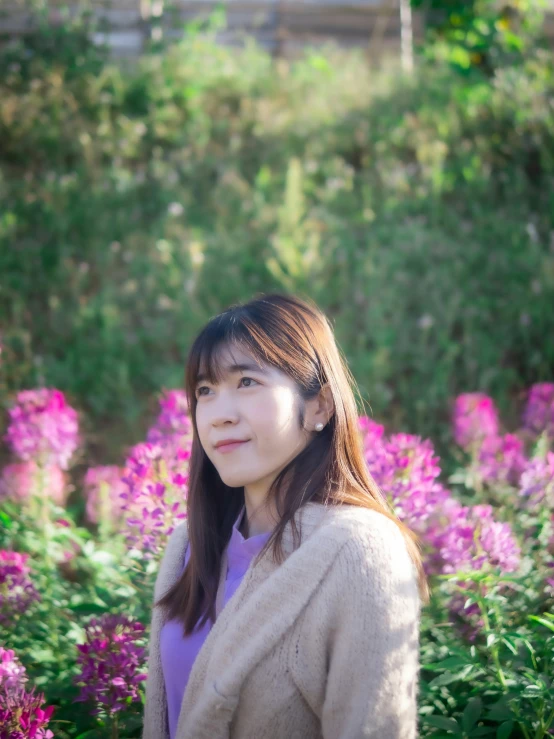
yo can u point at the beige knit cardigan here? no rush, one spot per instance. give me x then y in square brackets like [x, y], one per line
[324, 646]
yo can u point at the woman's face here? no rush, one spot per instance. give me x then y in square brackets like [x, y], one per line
[258, 403]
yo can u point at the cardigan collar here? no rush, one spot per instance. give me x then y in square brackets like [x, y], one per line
[266, 604]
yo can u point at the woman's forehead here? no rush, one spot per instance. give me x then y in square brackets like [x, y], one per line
[233, 359]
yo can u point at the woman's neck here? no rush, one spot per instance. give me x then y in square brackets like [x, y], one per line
[259, 521]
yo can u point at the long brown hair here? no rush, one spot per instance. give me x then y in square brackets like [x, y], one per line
[293, 335]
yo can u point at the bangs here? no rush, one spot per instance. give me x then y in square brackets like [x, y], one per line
[221, 334]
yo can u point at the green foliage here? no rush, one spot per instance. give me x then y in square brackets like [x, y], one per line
[78, 576]
[418, 212]
[502, 684]
[482, 34]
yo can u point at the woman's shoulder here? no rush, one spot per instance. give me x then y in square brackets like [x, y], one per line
[373, 566]
[373, 540]
[362, 521]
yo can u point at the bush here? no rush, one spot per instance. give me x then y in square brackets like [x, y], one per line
[418, 212]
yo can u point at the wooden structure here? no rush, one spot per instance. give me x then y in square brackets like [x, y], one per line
[282, 27]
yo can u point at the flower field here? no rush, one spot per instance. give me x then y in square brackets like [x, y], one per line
[80, 547]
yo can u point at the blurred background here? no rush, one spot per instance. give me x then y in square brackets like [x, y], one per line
[392, 160]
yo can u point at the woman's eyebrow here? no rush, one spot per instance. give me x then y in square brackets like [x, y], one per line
[239, 367]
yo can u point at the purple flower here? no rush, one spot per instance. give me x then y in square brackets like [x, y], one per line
[474, 418]
[537, 481]
[372, 433]
[501, 459]
[12, 672]
[538, 415]
[173, 419]
[17, 592]
[156, 476]
[440, 518]
[21, 715]
[110, 661]
[475, 541]
[103, 486]
[467, 619]
[406, 469]
[43, 427]
[172, 429]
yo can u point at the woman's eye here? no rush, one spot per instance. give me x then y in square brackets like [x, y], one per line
[247, 378]
[205, 387]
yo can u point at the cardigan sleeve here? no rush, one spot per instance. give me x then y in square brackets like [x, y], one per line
[372, 639]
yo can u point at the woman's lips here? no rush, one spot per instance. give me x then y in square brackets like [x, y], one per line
[225, 448]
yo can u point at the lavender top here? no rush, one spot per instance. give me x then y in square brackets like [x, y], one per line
[178, 653]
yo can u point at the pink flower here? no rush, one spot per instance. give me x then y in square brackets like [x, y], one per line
[103, 487]
[538, 416]
[110, 661]
[537, 482]
[501, 459]
[21, 715]
[474, 541]
[12, 672]
[474, 418]
[173, 419]
[20, 480]
[406, 469]
[43, 427]
[172, 430]
[17, 591]
[156, 476]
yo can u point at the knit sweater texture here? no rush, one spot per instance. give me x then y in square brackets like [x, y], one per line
[179, 653]
[323, 646]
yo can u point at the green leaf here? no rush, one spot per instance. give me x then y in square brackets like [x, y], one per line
[447, 664]
[480, 731]
[500, 711]
[542, 621]
[43, 656]
[442, 722]
[532, 691]
[448, 677]
[132, 722]
[471, 713]
[504, 730]
[88, 608]
[511, 646]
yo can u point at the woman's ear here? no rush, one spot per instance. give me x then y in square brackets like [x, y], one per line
[321, 408]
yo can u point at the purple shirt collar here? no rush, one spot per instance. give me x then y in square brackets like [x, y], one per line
[240, 550]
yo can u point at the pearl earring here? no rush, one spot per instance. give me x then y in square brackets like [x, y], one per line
[318, 426]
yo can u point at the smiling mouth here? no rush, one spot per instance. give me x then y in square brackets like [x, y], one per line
[231, 446]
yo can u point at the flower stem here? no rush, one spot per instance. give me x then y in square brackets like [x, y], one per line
[494, 647]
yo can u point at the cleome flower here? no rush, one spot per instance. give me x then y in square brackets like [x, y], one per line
[110, 662]
[43, 427]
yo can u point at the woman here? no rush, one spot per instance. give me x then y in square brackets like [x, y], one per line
[287, 605]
